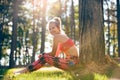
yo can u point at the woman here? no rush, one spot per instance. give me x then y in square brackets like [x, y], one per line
[61, 43]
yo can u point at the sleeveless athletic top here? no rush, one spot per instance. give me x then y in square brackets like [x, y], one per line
[62, 47]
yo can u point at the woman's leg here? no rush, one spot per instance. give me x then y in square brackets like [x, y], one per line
[54, 61]
[34, 66]
[62, 63]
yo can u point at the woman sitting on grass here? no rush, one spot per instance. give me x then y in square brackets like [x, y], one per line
[61, 43]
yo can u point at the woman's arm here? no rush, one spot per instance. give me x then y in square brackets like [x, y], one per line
[54, 48]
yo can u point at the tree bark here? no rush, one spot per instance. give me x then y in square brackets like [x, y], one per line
[72, 21]
[92, 44]
[1, 39]
[118, 25]
[33, 35]
[43, 26]
[14, 34]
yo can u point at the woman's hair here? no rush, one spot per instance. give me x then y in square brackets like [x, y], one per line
[57, 22]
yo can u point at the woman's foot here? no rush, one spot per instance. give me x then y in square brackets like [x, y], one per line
[25, 70]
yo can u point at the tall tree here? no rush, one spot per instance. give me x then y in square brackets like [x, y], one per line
[118, 25]
[14, 33]
[1, 39]
[4, 9]
[34, 42]
[1, 28]
[43, 26]
[92, 46]
[72, 21]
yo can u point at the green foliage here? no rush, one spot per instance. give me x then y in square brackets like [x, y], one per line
[2, 72]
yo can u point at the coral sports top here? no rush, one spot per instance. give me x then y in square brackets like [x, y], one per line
[62, 47]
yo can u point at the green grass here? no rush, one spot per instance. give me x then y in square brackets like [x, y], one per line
[43, 76]
[46, 73]
[51, 73]
[94, 76]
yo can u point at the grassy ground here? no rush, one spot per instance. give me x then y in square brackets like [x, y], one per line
[52, 73]
[45, 73]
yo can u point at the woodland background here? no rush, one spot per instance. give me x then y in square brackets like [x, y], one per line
[94, 25]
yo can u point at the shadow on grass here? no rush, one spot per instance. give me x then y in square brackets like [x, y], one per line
[94, 76]
[87, 77]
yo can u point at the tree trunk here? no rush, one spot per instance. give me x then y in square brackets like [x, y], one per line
[92, 46]
[33, 36]
[108, 41]
[118, 25]
[35, 32]
[72, 21]
[14, 33]
[1, 40]
[67, 29]
[43, 27]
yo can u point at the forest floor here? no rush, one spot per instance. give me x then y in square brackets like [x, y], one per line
[116, 71]
[116, 74]
[112, 67]
[111, 71]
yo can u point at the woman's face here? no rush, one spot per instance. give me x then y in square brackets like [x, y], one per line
[53, 29]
